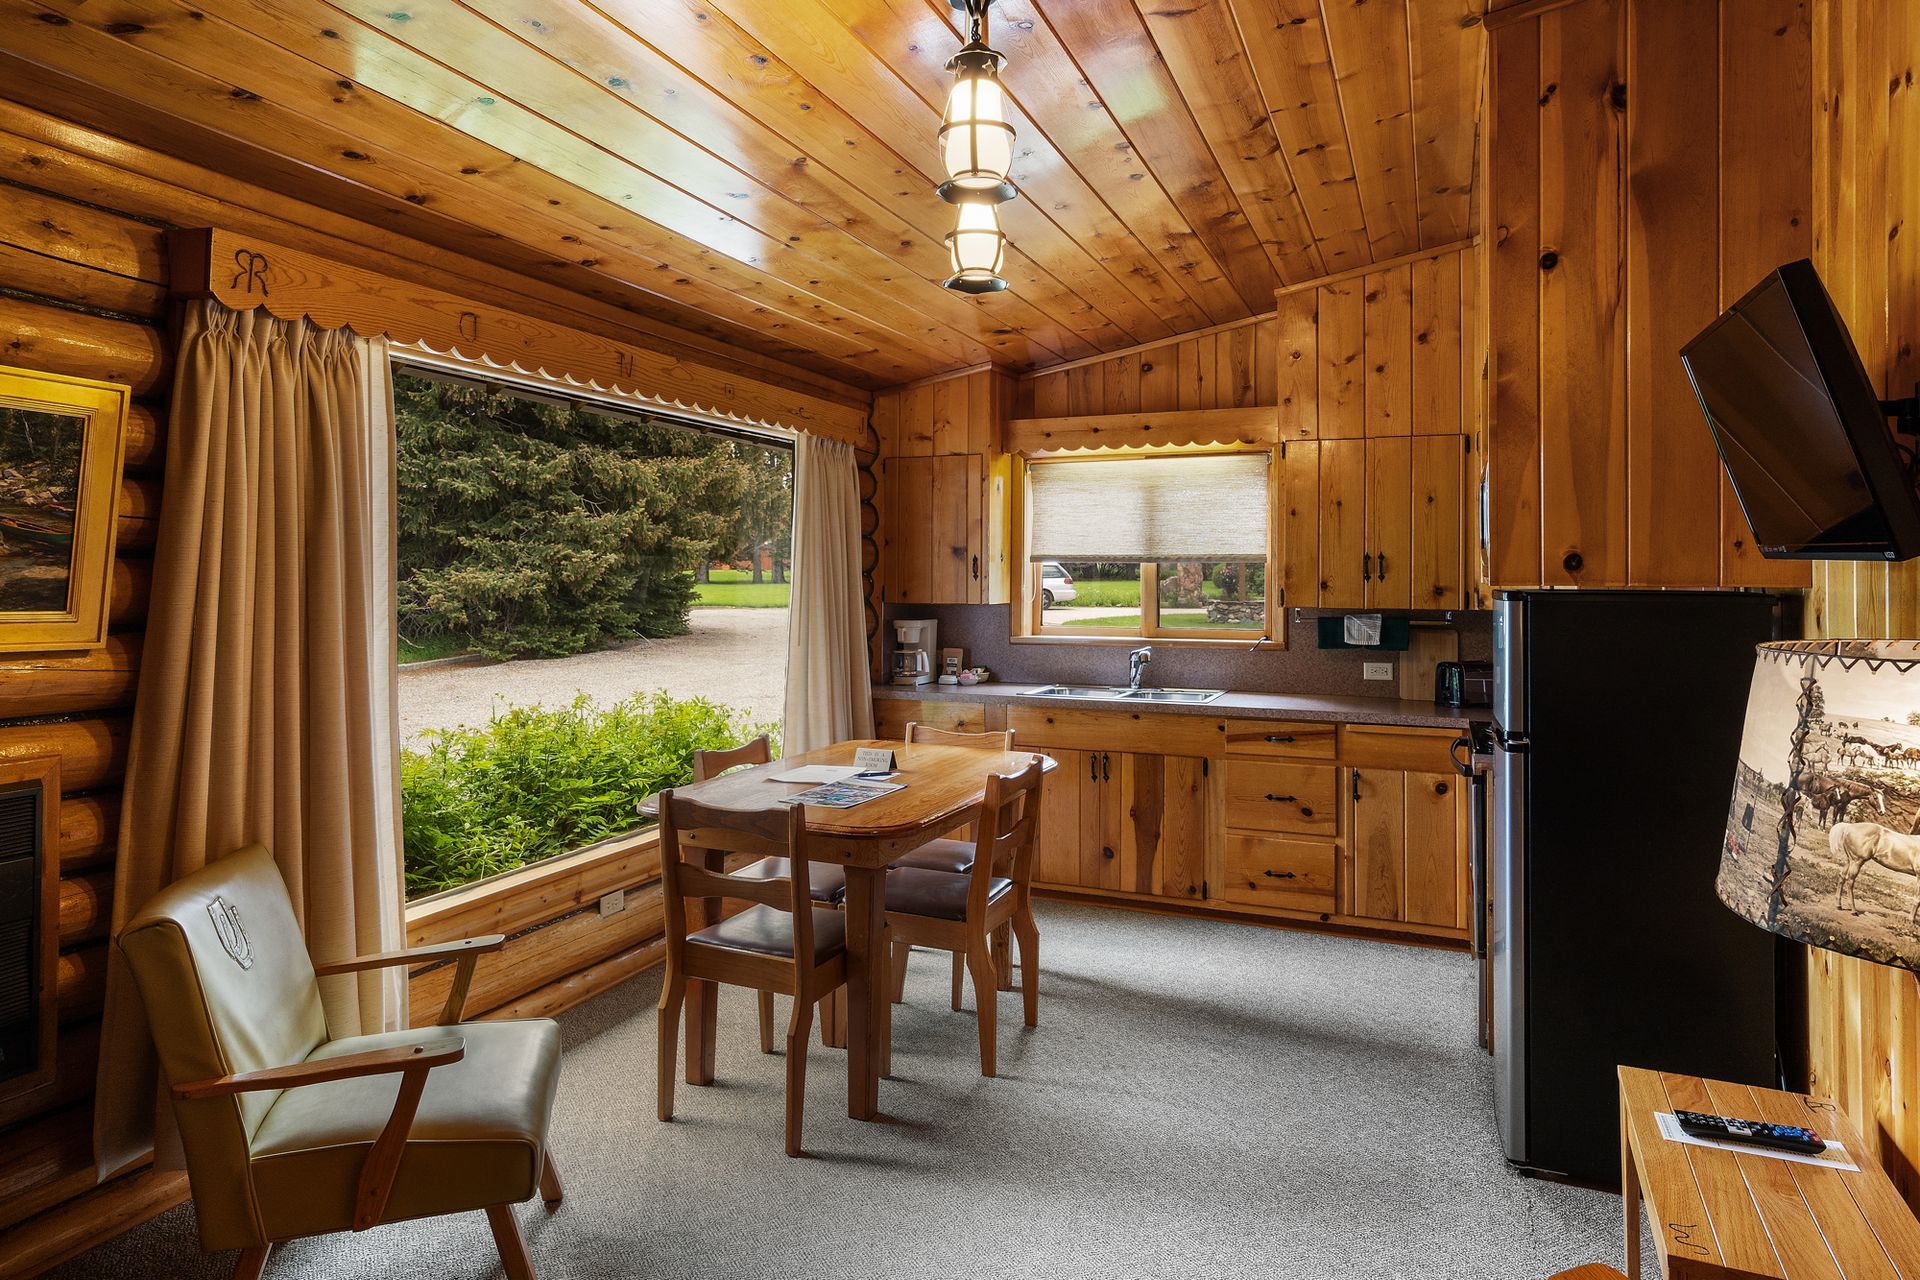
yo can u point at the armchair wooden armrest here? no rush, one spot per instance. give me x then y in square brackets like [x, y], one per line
[466, 951]
[412, 1061]
[403, 1058]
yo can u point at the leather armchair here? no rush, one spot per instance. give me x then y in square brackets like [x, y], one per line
[290, 1132]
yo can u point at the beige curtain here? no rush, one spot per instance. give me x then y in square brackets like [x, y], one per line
[829, 697]
[265, 706]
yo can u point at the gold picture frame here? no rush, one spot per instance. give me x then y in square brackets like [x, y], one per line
[62, 440]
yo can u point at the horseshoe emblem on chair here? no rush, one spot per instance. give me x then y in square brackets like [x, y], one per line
[233, 934]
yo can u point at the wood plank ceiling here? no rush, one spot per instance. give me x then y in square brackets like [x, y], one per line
[760, 172]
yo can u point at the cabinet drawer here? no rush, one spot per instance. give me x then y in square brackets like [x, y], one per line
[1378, 746]
[1282, 797]
[1279, 738]
[1084, 729]
[1271, 871]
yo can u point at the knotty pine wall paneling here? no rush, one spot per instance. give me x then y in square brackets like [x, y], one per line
[1648, 162]
[1863, 1032]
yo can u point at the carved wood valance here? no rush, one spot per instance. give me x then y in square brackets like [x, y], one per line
[1256, 427]
[244, 273]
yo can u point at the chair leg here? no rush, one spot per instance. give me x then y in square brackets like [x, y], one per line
[252, 1262]
[551, 1192]
[673, 997]
[833, 1019]
[798, 1028]
[1003, 955]
[900, 953]
[506, 1238]
[1028, 931]
[985, 988]
[766, 1022]
[959, 982]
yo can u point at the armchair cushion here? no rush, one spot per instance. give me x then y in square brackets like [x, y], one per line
[478, 1138]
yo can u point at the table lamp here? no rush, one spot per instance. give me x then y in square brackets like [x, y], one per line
[1820, 845]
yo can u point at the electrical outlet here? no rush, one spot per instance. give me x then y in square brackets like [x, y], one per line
[1378, 671]
[613, 904]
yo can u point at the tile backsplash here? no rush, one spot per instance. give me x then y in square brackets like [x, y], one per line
[983, 631]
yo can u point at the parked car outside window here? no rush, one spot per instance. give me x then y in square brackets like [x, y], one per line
[1056, 584]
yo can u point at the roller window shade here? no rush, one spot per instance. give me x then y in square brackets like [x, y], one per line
[1209, 507]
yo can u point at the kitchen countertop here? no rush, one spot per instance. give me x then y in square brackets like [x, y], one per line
[1256, 706]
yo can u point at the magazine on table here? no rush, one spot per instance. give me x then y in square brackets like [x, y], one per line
[844, 794]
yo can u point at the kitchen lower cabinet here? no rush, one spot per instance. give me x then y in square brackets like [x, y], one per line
[1279, 871]
[1165, 825]
[1406, 847]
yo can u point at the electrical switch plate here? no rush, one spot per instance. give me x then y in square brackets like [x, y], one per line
[613, 903]
[1378, 671]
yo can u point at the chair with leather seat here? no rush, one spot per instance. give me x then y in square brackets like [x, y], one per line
[960, 913]
[292, 1132]
[786, 942]
[827, 881]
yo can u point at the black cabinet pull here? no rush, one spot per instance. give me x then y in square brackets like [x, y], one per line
[1380, 566]
[1279, 875]
[1093, 767]
[1279, 737]
[1366, 567]
[1282, 799]
[976, 568]
[1356, 786]
[1105, 773]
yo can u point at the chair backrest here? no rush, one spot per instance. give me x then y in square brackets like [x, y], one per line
[711, 764]
[1008, 832]
[688, 827]
[998, 740]
[228, 987]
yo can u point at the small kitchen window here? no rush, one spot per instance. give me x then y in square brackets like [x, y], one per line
[1164, 547]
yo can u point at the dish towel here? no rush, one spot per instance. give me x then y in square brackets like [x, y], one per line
[1362, 628]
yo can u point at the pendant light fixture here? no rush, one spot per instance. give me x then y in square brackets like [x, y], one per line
[976, 147]
[978, 249]
[976, 142]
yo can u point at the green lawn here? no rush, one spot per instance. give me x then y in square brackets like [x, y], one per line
[430, 648]
[737, 589]
[1193, 620]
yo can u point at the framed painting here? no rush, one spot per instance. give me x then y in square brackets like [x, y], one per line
[61, 443]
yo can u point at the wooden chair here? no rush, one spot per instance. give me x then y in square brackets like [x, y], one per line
[827, 882]
[1589, 1271]
[787, 942]
[290, 1131]
[959, 913]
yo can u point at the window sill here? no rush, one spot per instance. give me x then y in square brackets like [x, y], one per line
[1134, 642]
[532, 895]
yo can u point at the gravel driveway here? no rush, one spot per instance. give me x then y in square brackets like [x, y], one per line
[732, 656]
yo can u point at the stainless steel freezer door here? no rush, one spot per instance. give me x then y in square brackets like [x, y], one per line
[1509, 859]
[1509, 664]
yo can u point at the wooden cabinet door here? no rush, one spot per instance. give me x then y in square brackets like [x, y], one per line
[1102, 822]
[1435, 841]
[1057, 858]
[1298, 504]
[1164, 823]
[1389, 523]
[1343, 524]
[1437, 571]
[1377, 844]
[934, 526]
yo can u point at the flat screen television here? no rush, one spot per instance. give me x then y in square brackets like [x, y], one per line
[1800, 427]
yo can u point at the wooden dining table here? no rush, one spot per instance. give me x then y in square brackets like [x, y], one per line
[944, 788]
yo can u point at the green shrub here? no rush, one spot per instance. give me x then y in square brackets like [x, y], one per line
[537, 781]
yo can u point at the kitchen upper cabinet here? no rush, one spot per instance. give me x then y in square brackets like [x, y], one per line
[934, 517]
[1405, 847]
[1375, 523]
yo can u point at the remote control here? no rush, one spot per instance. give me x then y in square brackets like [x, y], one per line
[1759, 1133]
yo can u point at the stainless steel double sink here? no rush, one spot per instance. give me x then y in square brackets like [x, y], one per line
[1120, 693]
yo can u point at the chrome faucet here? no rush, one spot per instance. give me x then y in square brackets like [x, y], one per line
[1136, 661]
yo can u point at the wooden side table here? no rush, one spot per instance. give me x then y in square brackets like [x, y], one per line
[1718, 1214]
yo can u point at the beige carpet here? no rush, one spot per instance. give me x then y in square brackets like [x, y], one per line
[1201, 1099]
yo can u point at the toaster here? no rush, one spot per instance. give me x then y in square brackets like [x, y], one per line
[1463, 684]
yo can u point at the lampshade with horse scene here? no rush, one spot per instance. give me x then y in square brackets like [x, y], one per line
[1821, 844]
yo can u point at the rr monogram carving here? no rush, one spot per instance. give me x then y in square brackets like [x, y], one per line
[232, 933]
[253, 270]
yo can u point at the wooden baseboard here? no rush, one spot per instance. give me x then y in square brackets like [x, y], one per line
[1410, 936]
[60, 1234]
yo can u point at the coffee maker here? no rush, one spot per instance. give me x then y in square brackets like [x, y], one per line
[913, 650]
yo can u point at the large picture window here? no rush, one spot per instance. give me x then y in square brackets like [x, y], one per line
[587, 595]
[1168, 546]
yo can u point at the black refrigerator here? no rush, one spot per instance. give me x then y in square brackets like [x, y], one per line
[1617, 721]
